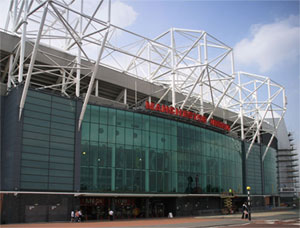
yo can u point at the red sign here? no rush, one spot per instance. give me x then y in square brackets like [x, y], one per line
[187, 114]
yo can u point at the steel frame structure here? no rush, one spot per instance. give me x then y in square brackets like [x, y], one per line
[188, 62]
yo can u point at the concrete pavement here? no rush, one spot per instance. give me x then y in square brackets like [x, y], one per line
[258, 219]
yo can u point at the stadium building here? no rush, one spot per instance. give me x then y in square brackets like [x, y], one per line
[95, 117]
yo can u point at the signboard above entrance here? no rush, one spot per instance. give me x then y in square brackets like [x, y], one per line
[187, 114]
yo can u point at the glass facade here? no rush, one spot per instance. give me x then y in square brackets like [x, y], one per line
[254, 169]
[47, 161]
[270, 171]
[124, 151]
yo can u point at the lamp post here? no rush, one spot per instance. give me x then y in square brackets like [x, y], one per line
[249, 203]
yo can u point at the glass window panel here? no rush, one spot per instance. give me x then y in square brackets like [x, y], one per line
[153, 139]
[160, 181]
[137, 120]
[137, 181]
[129, 181]
[65, 134]
[120, 135]
[34, 185]
[160, 125]
[61, 139]
[121, 118]
[61, 180]
[84, 153]
[167, 182]
[43, 130]
[111, 134]
[35, 164]
[95, 114]
[37, 108]
[69, 167]
[152, 159]
[39, 95]
[62, 120]
[39, 102]
[152, 181]
[138, 158]
[112, 117]
[145, 138]
[62, 146]
[38, 143]
[61, 187]
[128, 152]
[146, 122]
[128, 136]
[120, 179]
[167, 127]
[102, 131]
[62, 126]
[160, 160]
[129, 119]
[34, 178]
[160, 141]
[137, 137]
[87, 115]
[64, 160]
[36, 122]
[60, 173]
[69, 115]
[85, 131]
[33, 135]
[62, 107]
[34, 171]
[120, 156]
[62, 153]
[37, 115]
[153, 124]
[103, 115]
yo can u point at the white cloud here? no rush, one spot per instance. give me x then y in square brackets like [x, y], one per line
[122, 15]
[270, 44]
[4, 5]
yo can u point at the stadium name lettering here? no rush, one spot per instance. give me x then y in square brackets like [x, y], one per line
[187, 114]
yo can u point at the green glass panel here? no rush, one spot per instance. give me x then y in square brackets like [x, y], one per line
[112, 115]
[102, 132]
[121, 119]
[103, 115]
[120, 135]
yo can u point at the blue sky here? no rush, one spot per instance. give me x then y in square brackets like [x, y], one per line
[232, 22]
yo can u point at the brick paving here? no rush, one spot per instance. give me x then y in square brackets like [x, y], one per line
[118, 223]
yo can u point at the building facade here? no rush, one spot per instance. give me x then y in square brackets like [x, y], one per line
[141, 126]
[122, 159]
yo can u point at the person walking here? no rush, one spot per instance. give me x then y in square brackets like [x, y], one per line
[244, 211]
[111, 214]
[72, 216]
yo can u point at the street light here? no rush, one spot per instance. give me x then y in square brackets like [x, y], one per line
[249, 202]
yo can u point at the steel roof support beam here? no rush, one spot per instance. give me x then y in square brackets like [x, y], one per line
[90, 87]
[32, 61]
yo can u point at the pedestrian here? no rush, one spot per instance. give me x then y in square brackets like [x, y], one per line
[72, 216]
[244, 211]
[77, 217]
[111, 214]
[80, 216]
